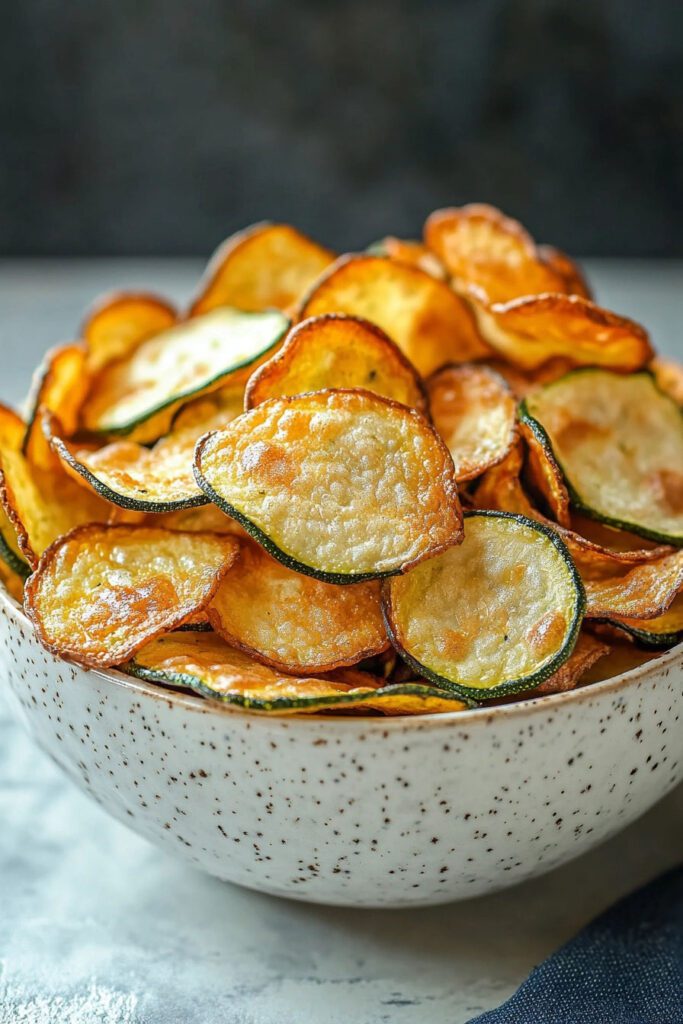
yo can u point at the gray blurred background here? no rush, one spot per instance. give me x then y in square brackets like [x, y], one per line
[159, 126]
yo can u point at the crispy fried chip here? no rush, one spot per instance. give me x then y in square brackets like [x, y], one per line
[496, 615]
[481, 247]
[205, 663]
[587, 652]
[204, 519]
[642, 591]
[294, 622]
[337, 351]
[545, 476]
[662, 631]
[138, 396]
[619, 444]
[474, 411]
[575, 282]
[409, 251]
[430, 323]
[267, 266]
[157, 479]
[343, 485]
[102, 592]
[530, 331]
[59, 385]
[40, 504]
[118, 323]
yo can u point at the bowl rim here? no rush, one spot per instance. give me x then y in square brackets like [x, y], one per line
[469, 716]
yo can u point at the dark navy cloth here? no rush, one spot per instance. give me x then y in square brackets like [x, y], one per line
[626, 967]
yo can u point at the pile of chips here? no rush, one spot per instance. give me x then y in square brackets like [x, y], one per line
[414, 479]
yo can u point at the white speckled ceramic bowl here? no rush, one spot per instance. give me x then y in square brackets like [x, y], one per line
[357, 811]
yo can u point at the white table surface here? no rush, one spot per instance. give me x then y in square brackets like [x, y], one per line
[98, 927]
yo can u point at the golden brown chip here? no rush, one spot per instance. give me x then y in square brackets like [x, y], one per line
[343, 485]
[637, 591]
[205, 663]
[474, 411]
[156, 479]
[575, 282]
[415, 254]
[41, 504]
[60, 386]
[530, 331]
[337, 351]
[430, 323]
[203, 519]
[587, 652]
[118, 323]
[545, 476]
[481, 247]
[662, 631]
[266, 266]
[294, 622]
[102, 592]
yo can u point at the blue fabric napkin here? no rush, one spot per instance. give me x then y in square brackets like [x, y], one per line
[626, 967]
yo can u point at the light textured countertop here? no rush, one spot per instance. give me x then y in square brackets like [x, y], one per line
[98, 927]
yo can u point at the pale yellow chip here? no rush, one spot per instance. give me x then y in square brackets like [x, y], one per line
[138, 396]
[337, 351]
[475, 412]
[430, 323]
[531, 331]
[102, 592]
[205, 663]
[119, 322]
[343, 485]
[267, 266]
[294, 622]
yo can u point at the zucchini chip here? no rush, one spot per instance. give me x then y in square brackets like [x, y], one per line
[409, 251]
[59, 385]
[475, 412]
[11, 557]
[530, 331]
[204, 663]
[575, 282]
[342, 485]
[102, 592]
[138, 395]
[662, 631]
[430, 323]
[619, 444]
[642, 591]
[267, 266]
[294, 622]
[40, 504]
[484, 249]
[588, 651]
[157, 479]
[497, 615]
[337, 351]
[545, 476]
[118, 323]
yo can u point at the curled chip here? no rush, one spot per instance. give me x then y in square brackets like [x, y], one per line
[545, 476]
[102, 592]
[588, 651]
[530, 331]
[337, 351]
[474, 411]
[138, 395]
[662, 631]
[40, 504]
[59, 385]
[342, 485]
[430, 323]
[11, 556]
[157, 479]
[267, 266]
[409, 251]
[203, 662]
[294, 622]
[618, 441]
[483, 248]
[575, 282]
[639, 591]
[496, 615]
[118, 323]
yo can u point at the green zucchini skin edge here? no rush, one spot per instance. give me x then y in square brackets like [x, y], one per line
[13, 561]
[186, 396]
[341, 579]
[122, 500]
[473, 694]
[190, 682]
[652, 641]
[577, 502]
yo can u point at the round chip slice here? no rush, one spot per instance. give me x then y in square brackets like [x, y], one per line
[337, 351]
[663, 631]
[59, 385]
[618, 441]
[264, 267]
[475, 412]
[203, 662]
[294, 622]
[118, 323]
[497, 615]
[102, 592]
[430, 323]
[342, 485]
[185, 361]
